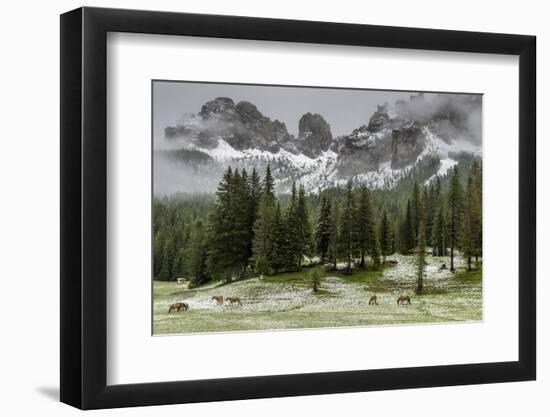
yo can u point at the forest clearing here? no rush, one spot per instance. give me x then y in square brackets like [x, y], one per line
[287, 301]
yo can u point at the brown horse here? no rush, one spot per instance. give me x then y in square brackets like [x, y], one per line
[404, 298]
[177, 307]
[218, 299]
[233, 300]
[373, 300]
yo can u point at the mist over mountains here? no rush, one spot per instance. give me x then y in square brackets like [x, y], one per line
[198, 147]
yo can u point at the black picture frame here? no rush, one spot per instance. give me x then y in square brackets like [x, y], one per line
[84, 207]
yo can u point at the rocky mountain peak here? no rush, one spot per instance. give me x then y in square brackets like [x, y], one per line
[221, 108]
[407, 144]
[314, 134]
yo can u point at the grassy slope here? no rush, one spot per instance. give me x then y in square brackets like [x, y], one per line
[286, 300]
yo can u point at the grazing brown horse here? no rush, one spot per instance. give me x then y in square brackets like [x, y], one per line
[404, 298]
[218, 299]
[177, 307]
[233, 300]
[373, 300]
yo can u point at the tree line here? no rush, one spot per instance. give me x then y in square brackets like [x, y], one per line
[251, 230]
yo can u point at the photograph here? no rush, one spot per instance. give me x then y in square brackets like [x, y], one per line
[298, 207]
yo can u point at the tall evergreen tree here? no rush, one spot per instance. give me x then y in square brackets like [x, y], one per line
[420, 259]
[407, 239]
[294, 230]
[167, 263]
[455, 212]
[333, 245]
[322, 231]
[416, 210]
[439, 231]
[197, 254]
[478, 193]
[386, 236]
[228, 228]
[305, 229]
[254, 191]
[348, 235]
[268, 182]
[366, 230]
[470, 232]
[280, 246]
[263, 228]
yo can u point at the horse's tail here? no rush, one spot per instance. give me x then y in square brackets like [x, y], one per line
[170, 310]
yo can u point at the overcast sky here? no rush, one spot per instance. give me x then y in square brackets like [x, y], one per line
[343, 109]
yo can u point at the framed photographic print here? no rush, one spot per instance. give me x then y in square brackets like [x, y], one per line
[258, 208]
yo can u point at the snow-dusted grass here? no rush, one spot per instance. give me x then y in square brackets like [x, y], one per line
[286, 301]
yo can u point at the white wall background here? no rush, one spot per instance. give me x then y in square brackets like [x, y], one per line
[29, 211]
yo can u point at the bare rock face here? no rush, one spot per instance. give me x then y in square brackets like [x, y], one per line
[407, 144]
[221, 108]
[241, 125]
[314, 135]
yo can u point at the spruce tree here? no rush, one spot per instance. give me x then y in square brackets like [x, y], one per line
[386, 236]
[279, 251]
[407, 239]
[333, 246]
[168, 257]
[455, 212]
[365, 226]
[470, 229]
[439, 231]
[196, 254]
[228, 228]
[268, 183]
[240, 234]
[420, 259]
[416, 210]
[322, 231]
[348, 236]
[294, 231]
[254, 191]
[158, 251]
[262, 245]
[305, 229]
[477, 175]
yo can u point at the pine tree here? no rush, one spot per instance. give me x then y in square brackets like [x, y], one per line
[196, 254]
[158, 251]
[420, 259]
[470, 229]
[455, 212]
[168, 257]
[268, 183]
[240, 234]
[333, 246]
[439, 231]
[262, 245]
[322, 231]
[254, 191]
[407, 238]
[386, 236]
[428, 211]
[305, 229]
[228, 228]
[416, 210]
[293, 230]
[478, 201]
[348, 238]
[365, 226]
[279, 251]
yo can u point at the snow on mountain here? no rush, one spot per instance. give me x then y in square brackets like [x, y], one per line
[376, 154]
